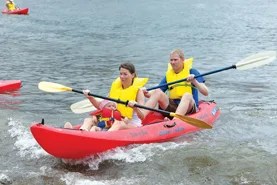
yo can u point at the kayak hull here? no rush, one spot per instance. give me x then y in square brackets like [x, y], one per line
[9, 85]
[77, 144]
[23, 11]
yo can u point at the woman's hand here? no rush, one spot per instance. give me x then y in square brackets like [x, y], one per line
[132, 103]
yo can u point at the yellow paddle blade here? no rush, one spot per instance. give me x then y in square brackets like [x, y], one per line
[192, 121]
[53, 87]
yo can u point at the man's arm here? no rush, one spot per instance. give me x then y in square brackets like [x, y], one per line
[199, 82]
[163, 81]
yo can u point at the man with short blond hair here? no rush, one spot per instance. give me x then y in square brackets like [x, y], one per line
[183, 96]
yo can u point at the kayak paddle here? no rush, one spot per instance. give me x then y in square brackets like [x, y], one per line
[255, 60]
[54, 87]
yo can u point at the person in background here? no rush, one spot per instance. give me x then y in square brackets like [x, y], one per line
[11, 5]
[183, 96]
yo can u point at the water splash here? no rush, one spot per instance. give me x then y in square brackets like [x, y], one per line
[4, 179]
[129, 154]
[79, 179]
[24, 142]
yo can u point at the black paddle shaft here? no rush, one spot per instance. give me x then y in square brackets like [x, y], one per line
[122, 102]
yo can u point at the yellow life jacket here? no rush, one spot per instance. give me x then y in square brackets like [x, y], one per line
[10, 6]
[130, 93]
[176, 91]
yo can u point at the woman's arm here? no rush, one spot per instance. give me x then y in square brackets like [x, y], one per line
[140, 101]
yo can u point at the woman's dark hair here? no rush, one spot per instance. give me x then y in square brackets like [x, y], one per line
[129, 66]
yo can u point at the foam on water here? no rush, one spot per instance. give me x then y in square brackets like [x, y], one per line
[24, 142]
[129, 154]
[79, 179]
[4, 179]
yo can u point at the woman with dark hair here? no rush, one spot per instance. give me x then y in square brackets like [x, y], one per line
[126, 88]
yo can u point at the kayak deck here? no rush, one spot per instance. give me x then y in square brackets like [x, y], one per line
[22, 11]
[9, 85]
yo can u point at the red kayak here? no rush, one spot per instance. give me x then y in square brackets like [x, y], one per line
[9, 85]
[21, 11]
[77, 144]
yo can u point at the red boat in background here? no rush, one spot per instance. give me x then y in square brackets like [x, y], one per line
[76, 144]
[9, 85]
[21, 11]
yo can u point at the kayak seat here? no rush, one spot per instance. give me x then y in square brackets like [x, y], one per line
[152, 117]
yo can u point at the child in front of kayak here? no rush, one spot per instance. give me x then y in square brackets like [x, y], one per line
[101, 119]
